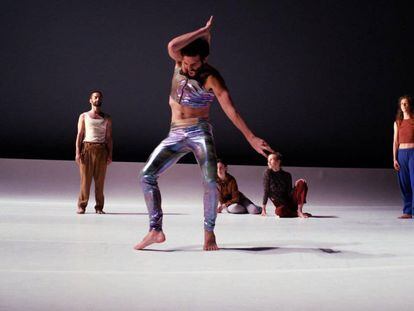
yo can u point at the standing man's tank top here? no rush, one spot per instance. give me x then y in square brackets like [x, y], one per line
[95, 129]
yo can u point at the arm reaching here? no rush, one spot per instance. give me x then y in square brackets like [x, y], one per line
[226, 103]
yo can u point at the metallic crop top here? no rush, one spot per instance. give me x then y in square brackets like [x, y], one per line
[189, 91]
[406, 131]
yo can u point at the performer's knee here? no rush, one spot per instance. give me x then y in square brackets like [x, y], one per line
[146, 178]
[209, 184]
[301, 184]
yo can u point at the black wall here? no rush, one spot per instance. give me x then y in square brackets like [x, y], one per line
[318, 80]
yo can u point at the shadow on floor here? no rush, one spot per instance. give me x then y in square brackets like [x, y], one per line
[254, 249]
[281, 249]
[146, 214]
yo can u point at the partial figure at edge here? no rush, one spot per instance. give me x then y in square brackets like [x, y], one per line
[403, 152]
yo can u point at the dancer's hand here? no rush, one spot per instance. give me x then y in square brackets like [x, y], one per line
[220, 207]
[78, 158]
[209, 24]
[260, 146]
[396, 165]
[109, 160]
[207, 30]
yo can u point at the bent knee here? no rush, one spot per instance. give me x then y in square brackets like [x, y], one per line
[301, 183]
[146, 178]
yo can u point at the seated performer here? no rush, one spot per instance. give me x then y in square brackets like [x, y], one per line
[230, 198]
[278, 188]
[195, 84]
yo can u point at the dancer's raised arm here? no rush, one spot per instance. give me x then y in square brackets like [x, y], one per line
[176, 44]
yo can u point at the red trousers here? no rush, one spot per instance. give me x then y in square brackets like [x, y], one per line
[298, 198]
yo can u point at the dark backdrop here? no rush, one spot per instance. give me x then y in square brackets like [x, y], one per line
[318, 80]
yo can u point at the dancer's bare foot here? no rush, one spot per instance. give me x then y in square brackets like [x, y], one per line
[100, 212]
[405, 216]
[80, 210]
[304, 215]
[152, 237]
[210, 241]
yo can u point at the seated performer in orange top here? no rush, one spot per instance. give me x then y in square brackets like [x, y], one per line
[230, 198]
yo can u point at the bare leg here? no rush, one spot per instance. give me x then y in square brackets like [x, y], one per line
[152, 237]
[301, 214]
[210, 241]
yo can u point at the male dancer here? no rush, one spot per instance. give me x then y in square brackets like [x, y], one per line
[93, 152]
[194, 86]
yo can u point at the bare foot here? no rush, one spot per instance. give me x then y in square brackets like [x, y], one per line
[210, 241]
[152, 237]
[100, 212]
[80, 210]
[405, 216]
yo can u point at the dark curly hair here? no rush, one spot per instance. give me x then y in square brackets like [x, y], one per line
[399, 116]
[96, 91]
[197, 47]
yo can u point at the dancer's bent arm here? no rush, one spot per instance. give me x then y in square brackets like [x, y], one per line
[176, 44]
[226, 103]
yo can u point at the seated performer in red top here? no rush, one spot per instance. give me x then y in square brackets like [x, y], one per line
[278, 188]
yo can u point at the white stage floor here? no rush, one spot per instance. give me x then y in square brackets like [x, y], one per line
[354, 255]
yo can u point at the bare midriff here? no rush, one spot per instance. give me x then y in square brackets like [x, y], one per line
[406, 146]
[180, 112]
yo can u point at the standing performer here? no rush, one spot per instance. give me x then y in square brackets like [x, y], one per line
[403, 152]
[194, 86]
[93, 152]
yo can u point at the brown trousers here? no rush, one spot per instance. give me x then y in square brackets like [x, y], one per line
[298, 197]
[93, 164]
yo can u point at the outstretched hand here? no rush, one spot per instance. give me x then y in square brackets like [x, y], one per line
[260, 146]
[209, 24]
[207, 29]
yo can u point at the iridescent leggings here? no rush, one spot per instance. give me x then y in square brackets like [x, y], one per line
[182, 139]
